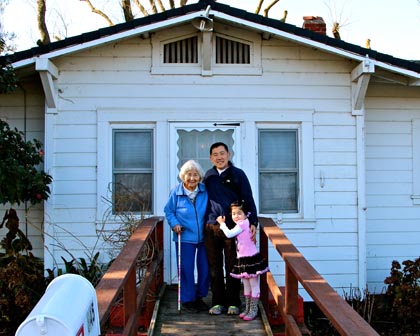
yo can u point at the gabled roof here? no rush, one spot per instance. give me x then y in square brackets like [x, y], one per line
[255, 20]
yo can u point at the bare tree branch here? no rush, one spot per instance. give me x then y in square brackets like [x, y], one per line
[42, 26]
[126, 7]
[99, 12]
[161, 6]
[269, 7]
[172, 4]
[336, 30]
[257, 11]
[153, 5]
[184, 2]
[141, 7]
[283, 19]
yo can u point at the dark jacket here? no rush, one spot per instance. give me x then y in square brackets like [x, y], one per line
[224, 189]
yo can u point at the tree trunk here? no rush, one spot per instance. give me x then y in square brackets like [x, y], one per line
[126, 7]
[42, 26]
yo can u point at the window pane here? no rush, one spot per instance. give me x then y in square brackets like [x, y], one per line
[277, 149]
[279, 193]
[132, 192]
[278, 171]
[132, 150]
[132, 171]
[196, 144]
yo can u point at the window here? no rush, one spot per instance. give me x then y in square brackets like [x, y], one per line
[182, 51]
[231, 52]
[223, 51]
[278, 171]
[132, 171]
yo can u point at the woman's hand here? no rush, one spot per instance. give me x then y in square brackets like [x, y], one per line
[177, 229]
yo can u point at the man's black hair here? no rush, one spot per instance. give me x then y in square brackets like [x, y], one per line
[218, 144]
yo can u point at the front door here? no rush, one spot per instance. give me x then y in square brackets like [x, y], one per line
[192, 141]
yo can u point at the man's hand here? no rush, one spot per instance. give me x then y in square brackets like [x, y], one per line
[253, 230]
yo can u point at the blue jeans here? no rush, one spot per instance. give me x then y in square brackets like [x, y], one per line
[189, 252]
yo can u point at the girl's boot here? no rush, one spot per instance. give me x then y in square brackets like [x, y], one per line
[253, 309]
[247, 305]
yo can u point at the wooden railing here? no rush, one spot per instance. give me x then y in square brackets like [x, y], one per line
[298, 270]
[122, 280]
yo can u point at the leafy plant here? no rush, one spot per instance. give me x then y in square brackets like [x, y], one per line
[22, 284]
[403, 294]
[92, 271]
[20, 180]
[22, 281]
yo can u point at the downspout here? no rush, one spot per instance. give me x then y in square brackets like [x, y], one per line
[360, 77]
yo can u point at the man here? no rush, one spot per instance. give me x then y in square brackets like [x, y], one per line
[225, 184]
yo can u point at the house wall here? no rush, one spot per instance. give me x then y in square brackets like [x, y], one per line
[297, 84]
[24, 109]
[393, 216]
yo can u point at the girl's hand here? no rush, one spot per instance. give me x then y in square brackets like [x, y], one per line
[220, 219]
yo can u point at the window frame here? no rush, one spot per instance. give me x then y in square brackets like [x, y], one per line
[281, 171]
[159, 39]
[133, 170]
[107, 122]
[306, 187]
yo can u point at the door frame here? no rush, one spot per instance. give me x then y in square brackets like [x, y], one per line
[174, 126]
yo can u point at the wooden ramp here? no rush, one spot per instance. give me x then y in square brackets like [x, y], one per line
[168, 321]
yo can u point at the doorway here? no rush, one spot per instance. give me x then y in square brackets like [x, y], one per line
[192, 141]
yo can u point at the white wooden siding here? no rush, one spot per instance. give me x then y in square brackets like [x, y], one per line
[12, 110]
[117, 79]
[393, 230]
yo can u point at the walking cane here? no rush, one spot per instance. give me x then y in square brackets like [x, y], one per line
[179, 271]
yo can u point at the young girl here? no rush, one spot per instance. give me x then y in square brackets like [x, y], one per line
[250, 263]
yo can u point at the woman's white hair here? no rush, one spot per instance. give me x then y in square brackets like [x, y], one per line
[188, 166]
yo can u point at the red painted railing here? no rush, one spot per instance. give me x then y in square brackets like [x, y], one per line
[131, 278]
[298, 270]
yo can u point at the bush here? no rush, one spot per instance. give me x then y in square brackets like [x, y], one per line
[22, 281]
[403, 295]
[20, 180]
[22, 284]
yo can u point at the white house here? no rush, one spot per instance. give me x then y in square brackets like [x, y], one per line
[328, 132]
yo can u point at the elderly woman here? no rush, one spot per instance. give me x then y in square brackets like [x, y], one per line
[185, 211]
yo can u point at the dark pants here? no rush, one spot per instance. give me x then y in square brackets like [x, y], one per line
[221, 251]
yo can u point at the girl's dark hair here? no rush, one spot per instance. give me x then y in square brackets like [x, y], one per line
[239, 204]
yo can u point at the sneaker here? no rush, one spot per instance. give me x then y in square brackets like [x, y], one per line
[189, 307]
[216, 310]
[201, 305]
[233, 310]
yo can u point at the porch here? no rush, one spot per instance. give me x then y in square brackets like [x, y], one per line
[142, 303]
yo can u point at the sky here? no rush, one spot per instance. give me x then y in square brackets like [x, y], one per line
[393, 26]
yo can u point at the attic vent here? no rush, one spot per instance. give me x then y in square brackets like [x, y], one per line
[231, 52]
[182, 51]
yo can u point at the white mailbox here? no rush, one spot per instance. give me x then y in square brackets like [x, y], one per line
[68, 308]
